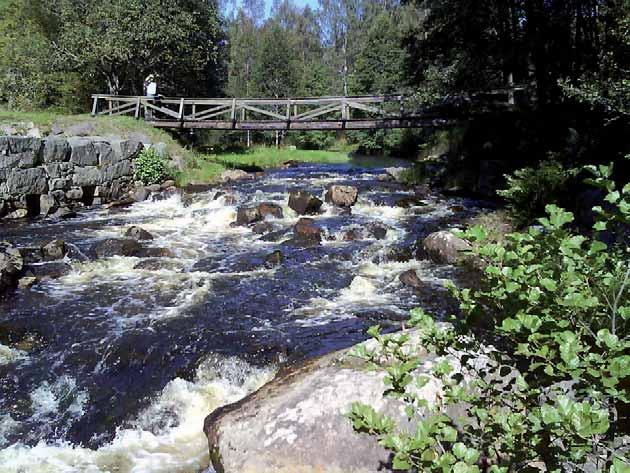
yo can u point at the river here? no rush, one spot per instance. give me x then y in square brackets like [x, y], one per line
[124, 363]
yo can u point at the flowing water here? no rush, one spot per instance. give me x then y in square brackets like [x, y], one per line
[122, 364]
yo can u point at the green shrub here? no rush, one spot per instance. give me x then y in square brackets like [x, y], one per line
[544, 385]
[530, 189]
[150, 167]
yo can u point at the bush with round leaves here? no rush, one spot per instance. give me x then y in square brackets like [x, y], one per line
[150, 167]
[544, 379]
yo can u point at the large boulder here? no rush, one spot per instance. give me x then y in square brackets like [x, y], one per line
[114, 247]
[342, 196]
[298, 422]
[445, 248]
[304, 203]
[11, 265]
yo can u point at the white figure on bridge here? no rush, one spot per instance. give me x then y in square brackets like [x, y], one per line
[150, 86]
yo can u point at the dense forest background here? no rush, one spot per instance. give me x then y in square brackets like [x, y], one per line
[55, 54]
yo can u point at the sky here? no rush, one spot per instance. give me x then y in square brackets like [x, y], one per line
[300, 3]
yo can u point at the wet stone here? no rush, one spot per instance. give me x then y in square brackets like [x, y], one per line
[55, 250]
[274, 259]
[304, 203]
[410, 278]
[342, 196]
[138, 233]
[306, 232]
[114, 247]
[54, 270]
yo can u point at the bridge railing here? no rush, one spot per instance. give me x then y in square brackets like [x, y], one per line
[243, 110]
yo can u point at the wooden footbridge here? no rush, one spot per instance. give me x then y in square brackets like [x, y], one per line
[315, 113]
[321, 113]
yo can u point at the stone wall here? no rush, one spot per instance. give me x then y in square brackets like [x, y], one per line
[57, 175]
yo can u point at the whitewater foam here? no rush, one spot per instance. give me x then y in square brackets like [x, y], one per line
[167, 437]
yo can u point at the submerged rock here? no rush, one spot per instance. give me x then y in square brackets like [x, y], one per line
[445, 248]
[274, 259]
[115, 247]
[304, 203]
[52, 270]
[298, 422]
[154, 252]
[157, 264]
[138, 233]
[342, 196]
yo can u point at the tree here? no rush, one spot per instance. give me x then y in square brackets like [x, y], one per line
[119, 42]
[274, 73]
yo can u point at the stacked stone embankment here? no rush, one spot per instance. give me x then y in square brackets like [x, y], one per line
[57, 175]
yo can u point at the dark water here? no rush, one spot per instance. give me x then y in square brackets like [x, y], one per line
[122, 364]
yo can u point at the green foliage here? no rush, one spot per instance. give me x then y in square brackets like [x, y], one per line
[314, 140]
[150, 167]
[545, 381]
[530, 189]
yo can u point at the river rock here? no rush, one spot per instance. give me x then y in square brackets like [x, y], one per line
[31, 254]
[27, 282]
[268, 209]
[55, 250]
[262, 227]
[298, 422]
[247, 215]
[140, 194]
[156, 252]
[167, 184]
[410, 278]
[64, 213]
[47, 204]
[445, 248]
[306, 232]
[304, 203]
[342, 196]
[411, 201]
[274, 259]
[53, 270]
[11, 265]
[115, 247]
[157, 264]
[377, 230]
[138, 233]
[235, 175]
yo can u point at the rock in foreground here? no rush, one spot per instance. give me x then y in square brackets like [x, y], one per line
[297, 423]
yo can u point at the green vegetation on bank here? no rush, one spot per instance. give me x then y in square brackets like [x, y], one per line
[535, 370]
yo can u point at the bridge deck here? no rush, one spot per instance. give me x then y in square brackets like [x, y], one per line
[320, 113]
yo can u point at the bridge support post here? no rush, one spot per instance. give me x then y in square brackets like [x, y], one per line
[95, 106]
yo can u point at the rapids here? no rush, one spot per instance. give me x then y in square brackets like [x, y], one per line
[128, 361]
